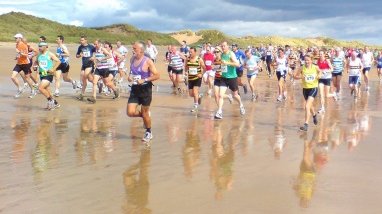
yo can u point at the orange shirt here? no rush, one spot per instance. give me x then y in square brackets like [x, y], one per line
[23, 48]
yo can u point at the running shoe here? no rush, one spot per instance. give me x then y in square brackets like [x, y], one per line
[219, 115]
[80, 97]
[209, 92]
[279, 99]
[33, 93]
[321, 111]
[315, 120]
[19, 92]
[304, 128]
[91, 100]
[74, 83]
[200, 99]
[242, 110]
[254, 97]
[56, 93]
[194, 109]
[116, 94]
[147, 137]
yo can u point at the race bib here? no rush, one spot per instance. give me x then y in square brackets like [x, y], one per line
[136, 78]
[43, 64]
[310, 78]
[224, 68]
[208, 63]
[193, 71]
[252, 67]
[86, 53]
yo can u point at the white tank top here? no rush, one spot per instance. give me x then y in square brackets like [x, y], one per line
[355, 67]
[281, 64]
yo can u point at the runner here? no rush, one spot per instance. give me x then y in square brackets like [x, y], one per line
[354, 68]
[338, 61]
[85, 51]
[21, 65]
[184, 49]
[218, 75]
[176, 64]
[379, 66]
[367, 59]
[151, 50]
[142, 74]
[240, 56]
[250, 64]
[103, 61]
[292, 62]
[269, 59]
[324, 82]
[309, 74]
[281, 64]
[45, 60]
[63, 54]
[121, 66]
[113, 66]
[169, 68]
[195, 69]
[209, 75]
[228, 80]
[31, 54]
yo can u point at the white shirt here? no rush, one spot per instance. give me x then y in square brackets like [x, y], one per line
[123, 51]
[152, 51]
[366, 59]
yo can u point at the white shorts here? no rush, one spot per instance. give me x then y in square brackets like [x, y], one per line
[210, 73]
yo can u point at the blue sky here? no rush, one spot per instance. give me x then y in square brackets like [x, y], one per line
[340, 19]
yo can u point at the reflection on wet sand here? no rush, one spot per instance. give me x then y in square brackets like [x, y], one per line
[222, 158]
[137, 185]
[278, 140]
[191, 150]
[306, 179]
[44, 154]
[97, 135]
[20, 128]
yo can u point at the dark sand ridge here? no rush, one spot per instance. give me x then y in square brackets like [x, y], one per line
[87, 158]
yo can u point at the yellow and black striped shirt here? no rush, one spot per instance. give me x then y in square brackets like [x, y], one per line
[194, 69]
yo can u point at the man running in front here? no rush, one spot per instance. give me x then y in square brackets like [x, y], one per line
[142, 74]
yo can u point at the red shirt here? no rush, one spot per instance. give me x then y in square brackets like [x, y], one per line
[208, 59]
[323, 64]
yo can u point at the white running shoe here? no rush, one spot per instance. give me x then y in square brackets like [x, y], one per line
[219, 115]
[33, 93]
[19, 92]
[74, 83]
[279, 98]
[147, 137]
[194, 109]
[242, 110]
[321, 111]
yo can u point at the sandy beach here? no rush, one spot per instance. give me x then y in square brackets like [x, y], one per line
[85, 158]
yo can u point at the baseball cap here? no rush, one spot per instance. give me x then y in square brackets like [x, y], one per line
[18, 35]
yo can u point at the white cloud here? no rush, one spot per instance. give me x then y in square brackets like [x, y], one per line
[76, 23]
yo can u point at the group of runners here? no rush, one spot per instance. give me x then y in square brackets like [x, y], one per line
[220, 67]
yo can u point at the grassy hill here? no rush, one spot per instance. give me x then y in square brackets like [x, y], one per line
[33, 27]
[215, 37]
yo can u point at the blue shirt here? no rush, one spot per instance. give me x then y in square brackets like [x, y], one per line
[60, 51]
[87, 52]
[240, 56]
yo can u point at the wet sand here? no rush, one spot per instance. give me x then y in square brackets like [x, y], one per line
[85, 158]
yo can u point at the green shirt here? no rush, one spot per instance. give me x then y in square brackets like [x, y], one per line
[45, 63]
[228, 71]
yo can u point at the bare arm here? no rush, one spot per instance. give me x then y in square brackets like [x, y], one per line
[56, 61]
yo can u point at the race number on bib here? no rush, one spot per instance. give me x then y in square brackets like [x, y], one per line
[43, 64]
[208, 62]
[136, 78]
[193, 71]
[86, 53]
[224, 68]
[252, 67]
[310, 78]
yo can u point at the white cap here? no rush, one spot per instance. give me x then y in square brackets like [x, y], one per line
[19, 35]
